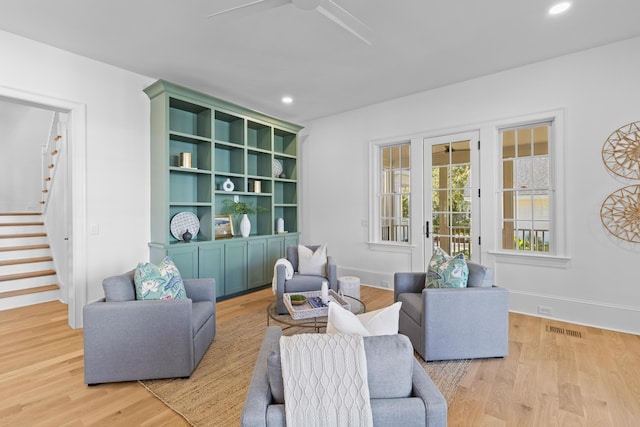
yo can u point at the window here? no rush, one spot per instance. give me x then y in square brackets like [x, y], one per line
[393, 193]
[526, 188]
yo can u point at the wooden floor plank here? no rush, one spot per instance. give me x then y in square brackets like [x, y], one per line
[548, 379]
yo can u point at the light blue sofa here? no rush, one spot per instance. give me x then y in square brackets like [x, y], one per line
[402, 394]
[454, 323]
[126, 339]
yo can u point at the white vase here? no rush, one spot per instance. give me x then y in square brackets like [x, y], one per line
[245, 225]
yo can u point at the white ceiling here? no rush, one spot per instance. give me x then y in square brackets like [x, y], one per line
[254, 61]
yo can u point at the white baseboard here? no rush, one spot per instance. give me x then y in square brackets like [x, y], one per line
[582, 312]
[369, 278]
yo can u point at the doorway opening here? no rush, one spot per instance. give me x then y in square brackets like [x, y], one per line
[76, 192]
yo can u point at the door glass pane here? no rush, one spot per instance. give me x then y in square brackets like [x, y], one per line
[451, 197]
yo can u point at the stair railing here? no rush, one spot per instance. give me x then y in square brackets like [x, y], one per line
[50, 155]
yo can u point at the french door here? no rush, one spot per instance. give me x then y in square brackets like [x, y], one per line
[451, 195]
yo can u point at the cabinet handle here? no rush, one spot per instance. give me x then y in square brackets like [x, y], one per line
[426, 228]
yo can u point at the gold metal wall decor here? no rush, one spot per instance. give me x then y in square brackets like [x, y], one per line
[620, 211]
[621, 151]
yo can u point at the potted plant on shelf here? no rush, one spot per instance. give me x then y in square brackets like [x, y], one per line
[242, 208]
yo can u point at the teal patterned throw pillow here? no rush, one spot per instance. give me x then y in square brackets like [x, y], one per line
[446, 271]
[158, 281]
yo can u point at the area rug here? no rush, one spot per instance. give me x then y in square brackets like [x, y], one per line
[215, 393]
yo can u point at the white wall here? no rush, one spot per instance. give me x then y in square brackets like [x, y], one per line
[599, 92]
[24, 131]
[117, 151]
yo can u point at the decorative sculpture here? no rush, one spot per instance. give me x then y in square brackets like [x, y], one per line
[620, 212]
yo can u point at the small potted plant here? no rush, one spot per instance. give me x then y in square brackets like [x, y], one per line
[242, 208]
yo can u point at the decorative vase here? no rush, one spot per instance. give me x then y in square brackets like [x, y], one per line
[186, 236]
[245, 225]
[280, 226]
[324, 292]
[228, 185]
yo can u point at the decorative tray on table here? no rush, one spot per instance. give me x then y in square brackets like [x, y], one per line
[313, 307]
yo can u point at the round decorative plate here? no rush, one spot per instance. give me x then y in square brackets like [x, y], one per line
[277, 168]
[183, 221]
[620, 213]
[621, 151]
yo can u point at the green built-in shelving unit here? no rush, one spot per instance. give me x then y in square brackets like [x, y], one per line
[225, 142]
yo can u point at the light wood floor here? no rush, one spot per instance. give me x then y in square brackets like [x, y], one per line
[550, 378]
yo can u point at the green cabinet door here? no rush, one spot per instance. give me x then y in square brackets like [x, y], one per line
[185, 257]
[257, 256]
[211, 265]
[235, 263]
[275, 251]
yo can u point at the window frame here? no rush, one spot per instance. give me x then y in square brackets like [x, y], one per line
[557, 256]
[375, 235]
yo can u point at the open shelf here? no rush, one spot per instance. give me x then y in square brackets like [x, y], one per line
[199, 149]
[259, 163]
[238, 183]
[284, 142]
[258, 135]
[203, 213]
[289, 167]
[285, 193]
[189, 118]
[229, 128]
[290, 216]
[229, 159]
[185, 186]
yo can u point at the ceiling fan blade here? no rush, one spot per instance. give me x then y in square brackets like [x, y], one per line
[247, 9]
[346, 20]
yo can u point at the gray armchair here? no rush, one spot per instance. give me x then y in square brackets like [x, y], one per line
[401, 392]
[302, 282]
[454, 323]
[126, 339]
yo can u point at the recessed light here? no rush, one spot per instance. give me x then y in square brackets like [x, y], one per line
[287, 100]
[559, 8]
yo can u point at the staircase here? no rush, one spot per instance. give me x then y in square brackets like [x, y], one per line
[27, 275]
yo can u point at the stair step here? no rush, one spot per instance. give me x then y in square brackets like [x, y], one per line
[25, 260]
[24, 248]
[29, 299]
[19, 224]
[8, 242]
[32, 282]
[17, 268]
[29, 291]
[19, 218]
[23, 254]
[27, 275]
[13, 229]
[18, 213]
[22, 235]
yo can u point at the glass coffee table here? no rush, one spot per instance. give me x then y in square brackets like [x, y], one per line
[317, 323]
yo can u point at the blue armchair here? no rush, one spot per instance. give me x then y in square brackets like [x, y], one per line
[454, 323]
[126, 339]
[303, 282]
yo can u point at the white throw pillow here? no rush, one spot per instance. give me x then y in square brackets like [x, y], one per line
[310, 262]
[378, 322]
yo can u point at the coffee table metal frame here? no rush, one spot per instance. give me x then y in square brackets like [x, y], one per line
[317, 323]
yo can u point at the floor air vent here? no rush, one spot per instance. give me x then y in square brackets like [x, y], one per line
[562, 331]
